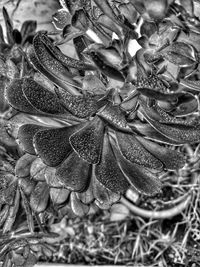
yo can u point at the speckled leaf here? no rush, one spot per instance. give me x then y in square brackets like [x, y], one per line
[159, 95]
[139, 177]
[16, 98]
[65, 60]
[25, 136]
[39, 197]
[171, 159]
[23, 165]
[80, 209]
[61, 18]
[50, 63]
[43, 70]
[148, 131]
[177, 132]
[53, 145]
[115, 117]
[74, 173]
[134, 151]
[81, 106]
[87, 142]
[59, 195]
[107, 171]
[41, 98]
[104, 198]
[156, 113]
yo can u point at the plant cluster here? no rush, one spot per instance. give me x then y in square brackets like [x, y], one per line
[79, 132]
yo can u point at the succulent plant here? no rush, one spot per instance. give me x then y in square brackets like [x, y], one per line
[88, 128]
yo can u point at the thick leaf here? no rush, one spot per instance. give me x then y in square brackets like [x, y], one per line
[181, 54]
[151, 133]
[51, 179]
[88, 141]
[134, 151]
[59, 195]
[171, 159]
[87, 196]
[77, 206]
[53, 145]
[106, 69]
[154, 112]
[16, 98]
[28, 212]
[177, 132]
[79, 20]
[27, 185]
[92, 84]
[65, 60]
[81, 106]
[47, 73]
[61, 18]
[74, 173]
[139, 177]
[115, 117]
[50, 63]
[37, 170]
[25, 136]
[9, 26]
[39, 197]
[104, 198]
[107, 171]
[28, 28]
[41, 98]
[193, 85]
[23, 165]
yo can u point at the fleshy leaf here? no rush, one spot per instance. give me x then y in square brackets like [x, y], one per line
[79, 208]
[39, 197]
[81, 106]
[23, 165]
[53, 145]
[36, 64]
[74, 173]
[65, 60]
[28, 29]
[16, 98]
[41, 98]
[151, 133]
[115, 117]
[87, 142]
[106, 69]
[104, 198]
[50, 63]
[177, 132]
[107, 171]
[134, 151]
[171, 159]
[140, 178]
[180, 53]
[59, 195]
[25, 136]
